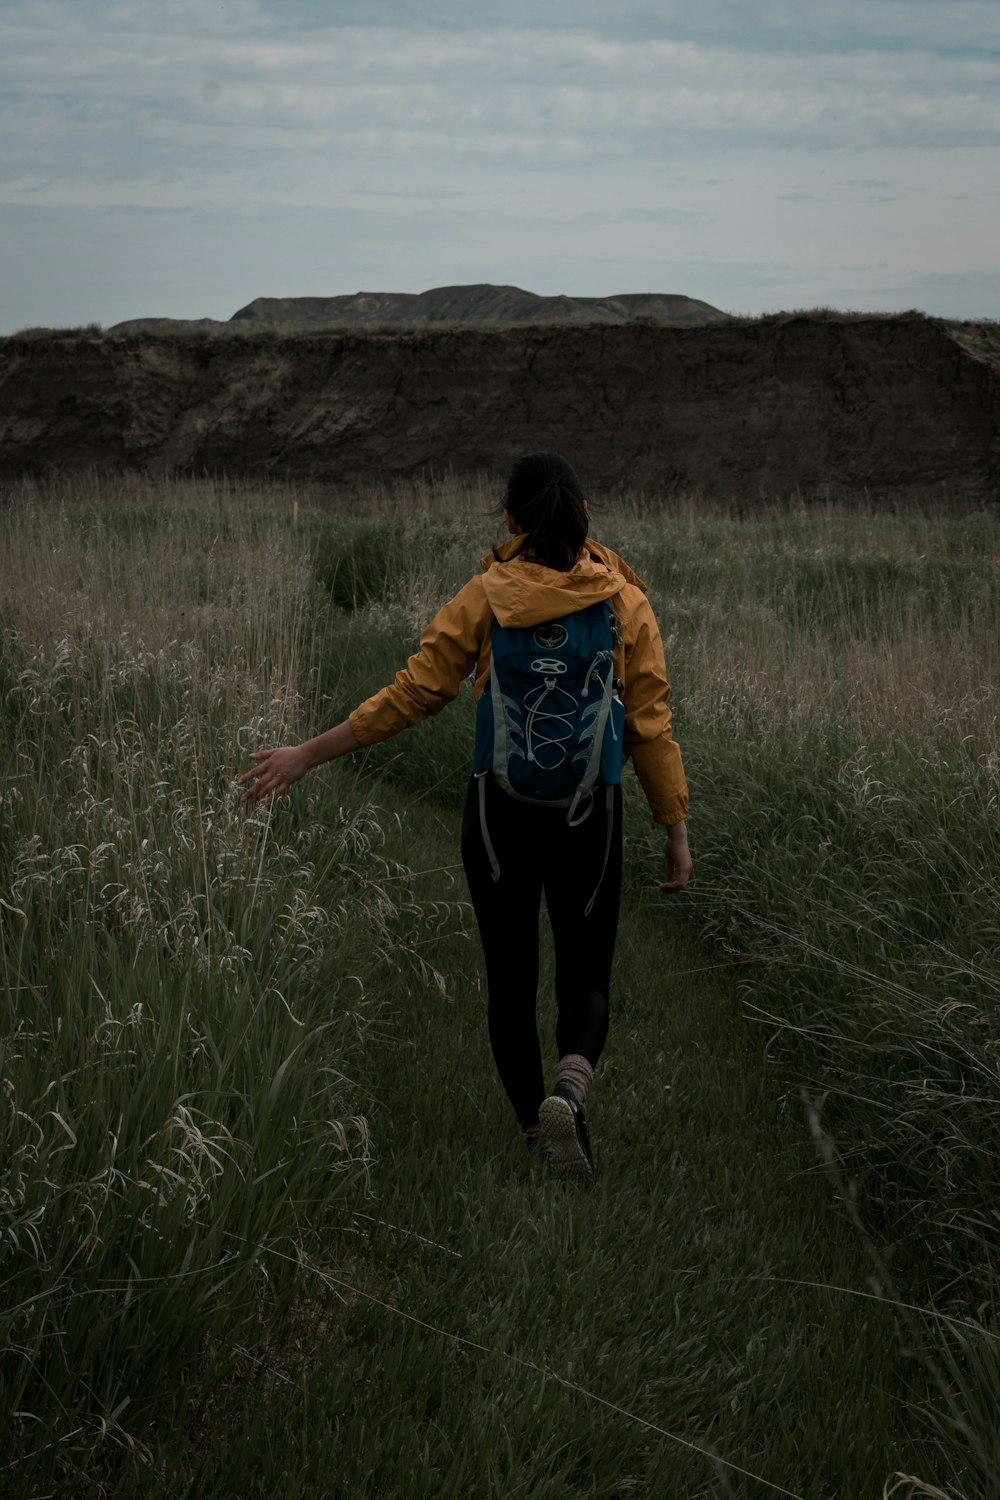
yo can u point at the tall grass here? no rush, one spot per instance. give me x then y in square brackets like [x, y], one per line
[841, 679]
[208, 1015]
[836, 681]
[837, 690]
[182, 986]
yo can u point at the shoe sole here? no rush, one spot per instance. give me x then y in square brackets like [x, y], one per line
[566, 1157]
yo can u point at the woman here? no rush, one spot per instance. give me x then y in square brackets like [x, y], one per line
[514, 851]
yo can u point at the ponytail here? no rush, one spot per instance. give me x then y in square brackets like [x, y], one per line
[545, 499]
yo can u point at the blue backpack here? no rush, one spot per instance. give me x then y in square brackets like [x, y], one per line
[549, 725]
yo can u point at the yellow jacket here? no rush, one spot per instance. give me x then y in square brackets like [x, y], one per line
[457, 643]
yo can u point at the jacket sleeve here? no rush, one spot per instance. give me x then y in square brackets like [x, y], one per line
[655, 753]
[448, 652]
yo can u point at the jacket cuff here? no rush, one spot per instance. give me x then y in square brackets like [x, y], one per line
[674, 810]
[361, 725]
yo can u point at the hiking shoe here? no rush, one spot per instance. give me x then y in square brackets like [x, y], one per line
[565, 1141]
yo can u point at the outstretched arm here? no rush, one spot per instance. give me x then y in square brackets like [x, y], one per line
[449, 649]
[275, 771]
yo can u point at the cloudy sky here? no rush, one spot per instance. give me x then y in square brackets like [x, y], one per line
[181, 157]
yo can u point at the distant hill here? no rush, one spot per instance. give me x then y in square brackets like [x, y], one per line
[478, 304]
[169, 325]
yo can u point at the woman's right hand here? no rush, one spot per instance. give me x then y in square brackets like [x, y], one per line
[275, 771]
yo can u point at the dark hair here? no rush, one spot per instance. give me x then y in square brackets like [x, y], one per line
[545, 499]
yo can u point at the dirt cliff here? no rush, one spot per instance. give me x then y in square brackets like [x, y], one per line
[905, 408]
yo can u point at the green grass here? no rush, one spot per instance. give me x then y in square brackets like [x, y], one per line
[265, 1223]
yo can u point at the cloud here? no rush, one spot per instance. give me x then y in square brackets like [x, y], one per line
[973, 293]
[575, 146]
[101, 88]
[766, 23]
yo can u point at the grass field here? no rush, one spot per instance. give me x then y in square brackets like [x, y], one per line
[265, 1225]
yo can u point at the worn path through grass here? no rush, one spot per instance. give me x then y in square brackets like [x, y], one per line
[688, 1319]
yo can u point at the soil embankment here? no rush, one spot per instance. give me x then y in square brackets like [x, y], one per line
[904, 407]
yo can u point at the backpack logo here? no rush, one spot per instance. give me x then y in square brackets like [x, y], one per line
[551, 637]
[550, 727]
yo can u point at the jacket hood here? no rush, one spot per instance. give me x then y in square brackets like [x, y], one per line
[526, 593]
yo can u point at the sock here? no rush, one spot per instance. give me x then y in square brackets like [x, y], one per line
[531, 1135]
[575, 1070]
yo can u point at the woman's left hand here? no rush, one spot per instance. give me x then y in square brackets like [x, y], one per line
[677, 861]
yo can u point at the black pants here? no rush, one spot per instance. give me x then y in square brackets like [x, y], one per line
[579, 869]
